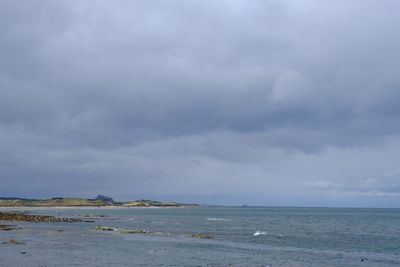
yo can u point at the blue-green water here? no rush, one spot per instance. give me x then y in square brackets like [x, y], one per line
[292, 237]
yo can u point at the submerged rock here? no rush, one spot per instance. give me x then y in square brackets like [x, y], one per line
[13, 242]
[94, 215]
[201, 236]
[140, 231]
[5, 227]
[104, 228]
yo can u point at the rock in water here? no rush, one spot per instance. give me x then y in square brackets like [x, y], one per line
[201, 236]
[104, 228]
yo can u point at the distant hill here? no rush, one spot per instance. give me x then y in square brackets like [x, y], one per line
[99, 201]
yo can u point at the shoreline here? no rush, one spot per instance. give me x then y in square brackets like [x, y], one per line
[93, 207]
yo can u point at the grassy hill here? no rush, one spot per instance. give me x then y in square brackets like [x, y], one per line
[150, 203]
[51, 202]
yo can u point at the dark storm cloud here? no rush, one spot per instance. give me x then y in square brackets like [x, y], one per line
[171, 98]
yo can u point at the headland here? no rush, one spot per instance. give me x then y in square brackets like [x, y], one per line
[99, 201]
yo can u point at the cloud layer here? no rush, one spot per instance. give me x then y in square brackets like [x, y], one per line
[263, 102]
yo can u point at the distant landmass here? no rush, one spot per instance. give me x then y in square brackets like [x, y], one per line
[99, 201]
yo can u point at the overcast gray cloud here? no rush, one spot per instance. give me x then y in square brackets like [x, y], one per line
[231, 102]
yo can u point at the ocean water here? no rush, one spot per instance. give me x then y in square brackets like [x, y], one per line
[290, 237]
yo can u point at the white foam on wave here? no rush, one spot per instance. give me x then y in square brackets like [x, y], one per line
[257, 233]
[217, 219]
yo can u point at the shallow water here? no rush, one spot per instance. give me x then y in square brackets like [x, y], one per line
[293, 237]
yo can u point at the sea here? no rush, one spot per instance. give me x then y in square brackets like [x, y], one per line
[238, 236]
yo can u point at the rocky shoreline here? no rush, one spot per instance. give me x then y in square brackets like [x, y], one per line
[22, 216]
[9, 216]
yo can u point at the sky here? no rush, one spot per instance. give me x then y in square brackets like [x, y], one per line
[231, 102]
